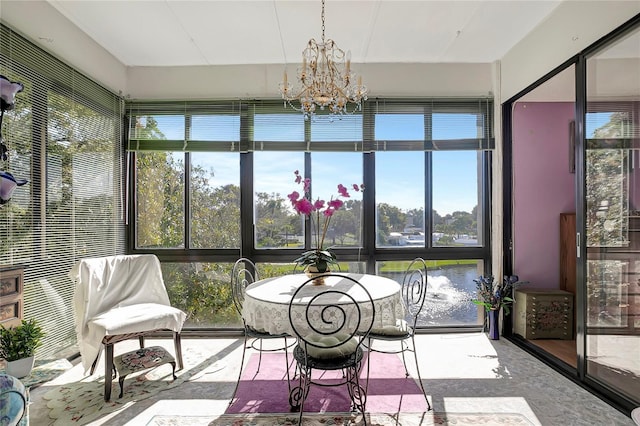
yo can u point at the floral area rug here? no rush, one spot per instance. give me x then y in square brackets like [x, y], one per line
[342, 419]
[44, 371]
[79, 403]
[266, 390]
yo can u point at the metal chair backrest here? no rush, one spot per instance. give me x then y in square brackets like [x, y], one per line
[331, 315]
[244, 272]
[414, 289]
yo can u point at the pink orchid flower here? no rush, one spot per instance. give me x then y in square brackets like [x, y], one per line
[335, 204]
[343, 191]
[293, 197]
[304, 206]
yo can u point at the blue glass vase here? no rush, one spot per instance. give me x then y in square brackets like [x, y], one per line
[494, 325]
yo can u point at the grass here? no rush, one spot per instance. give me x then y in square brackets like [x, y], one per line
[401, 265]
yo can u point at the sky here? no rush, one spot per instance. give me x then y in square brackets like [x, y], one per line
[399, 175]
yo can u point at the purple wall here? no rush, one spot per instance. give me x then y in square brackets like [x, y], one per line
[543, 188]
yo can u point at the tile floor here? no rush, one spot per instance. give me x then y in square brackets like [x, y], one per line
[462, 373]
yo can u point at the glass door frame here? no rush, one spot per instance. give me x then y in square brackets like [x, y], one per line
[579, 374]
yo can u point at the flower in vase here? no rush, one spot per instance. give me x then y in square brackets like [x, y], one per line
[319, 211]
[495, 295]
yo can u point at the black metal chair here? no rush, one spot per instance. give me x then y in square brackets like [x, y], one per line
[243, 274]
[414, 291]
[330, 325]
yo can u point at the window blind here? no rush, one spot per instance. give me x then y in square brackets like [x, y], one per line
[612, 124]
[185, 126]
[266, 125]
[65, 136]
[430, 124]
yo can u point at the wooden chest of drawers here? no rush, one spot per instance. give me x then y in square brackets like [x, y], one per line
[543, 314]
[11, 288]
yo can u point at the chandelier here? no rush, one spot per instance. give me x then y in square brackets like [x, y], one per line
[325, 80]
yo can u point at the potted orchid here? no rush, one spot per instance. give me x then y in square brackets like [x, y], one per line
[494, 296]
[319, 259]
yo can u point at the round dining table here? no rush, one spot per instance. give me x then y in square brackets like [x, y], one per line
[266, 304]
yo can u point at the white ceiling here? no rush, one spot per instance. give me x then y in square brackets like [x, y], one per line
[219, 32]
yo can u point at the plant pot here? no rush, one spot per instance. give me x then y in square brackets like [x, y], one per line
[494, 324]
[20, 368]
[311, 271]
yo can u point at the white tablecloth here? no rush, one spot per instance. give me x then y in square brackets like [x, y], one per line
[266, 305]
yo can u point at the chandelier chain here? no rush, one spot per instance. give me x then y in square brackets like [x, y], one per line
[322, 21]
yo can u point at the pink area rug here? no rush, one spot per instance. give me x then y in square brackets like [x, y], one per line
[266, 391]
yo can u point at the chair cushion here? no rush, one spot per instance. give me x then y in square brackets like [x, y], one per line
[137, 318]
[400, 329]
[347, 348]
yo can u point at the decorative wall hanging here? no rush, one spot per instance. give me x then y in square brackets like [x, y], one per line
[8, 91]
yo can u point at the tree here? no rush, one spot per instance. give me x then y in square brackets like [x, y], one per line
[607, 191]
[215, 214]
[417, 217]
[272, 216]
[390, 219]
[346, 224]
[160, 208]
[461, 222]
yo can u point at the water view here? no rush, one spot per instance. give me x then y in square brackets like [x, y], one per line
[449, 295]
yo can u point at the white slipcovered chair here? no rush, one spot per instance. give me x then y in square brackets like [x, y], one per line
[118, 298]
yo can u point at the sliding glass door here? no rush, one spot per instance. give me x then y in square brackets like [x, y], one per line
[612, 216]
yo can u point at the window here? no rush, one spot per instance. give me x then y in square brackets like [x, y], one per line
[215, 200]
[275, 224]
[456, 196]
[328, 170]
[160, 200]
[400, 199]
[187, 176]
[219, 187]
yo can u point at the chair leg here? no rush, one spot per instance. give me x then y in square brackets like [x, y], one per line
[141, 340]
[404, 360]
[177, 343]
[244, 349]
[305, 384]
[286, 360]
[357, 393]
[95, 363]
[108, 367]
[297, 394]
[259, 356]
[415, 354]
[368, 363]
